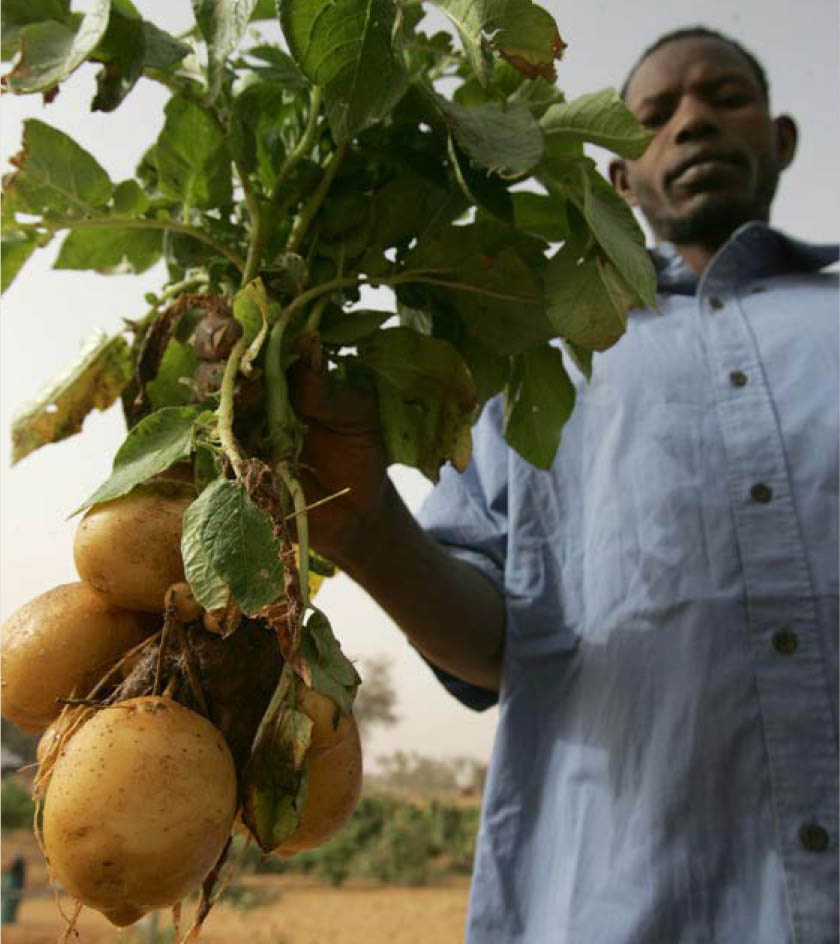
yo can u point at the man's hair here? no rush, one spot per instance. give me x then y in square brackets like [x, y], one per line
[701, 32]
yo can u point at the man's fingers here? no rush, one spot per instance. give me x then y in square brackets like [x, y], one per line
[319, 397]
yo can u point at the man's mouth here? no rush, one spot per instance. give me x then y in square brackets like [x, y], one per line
[705, 167]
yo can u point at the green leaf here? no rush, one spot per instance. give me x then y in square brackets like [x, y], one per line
[523, 33]
[130, 199]
[222, 24]
[122, 50]
[501, 302]
[280, 70]
[580, 357]
[527, 37]
[333, 674]
[264, 10]
[541, 215]
[408, 205]
[538, 95]
[486, 191]
[268, 125]
[601, 118]
[192, 157]
[615, 228]
[507, 140]
[15, 14]
[587, 302]
[15, 248]
[94, 381]
[240, 544]
[209, 589]
[346, 46]
[51, 51]
[427, 398]
[160, 50]
[178, 364]
[274, 780]
[55, 175]
[538, 400]
[110, 251]
[347, 328]
[491, 279]
[158, 441]
[130, 45]
[418, 365]
[489, 370]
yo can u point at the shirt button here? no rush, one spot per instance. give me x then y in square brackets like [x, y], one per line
[715, 303]
[813, 837]
[785, 641]
[761, 493]
[738, 378]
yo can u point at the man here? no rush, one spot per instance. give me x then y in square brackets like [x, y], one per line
[657, 614]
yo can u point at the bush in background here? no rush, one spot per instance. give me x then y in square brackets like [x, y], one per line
[16, 807]
[388, 839]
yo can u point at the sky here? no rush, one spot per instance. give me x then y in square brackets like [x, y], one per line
[46, 314]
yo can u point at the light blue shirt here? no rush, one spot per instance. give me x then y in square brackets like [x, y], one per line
[665, 767]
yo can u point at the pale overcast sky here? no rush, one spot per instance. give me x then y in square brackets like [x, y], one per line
[46, 313]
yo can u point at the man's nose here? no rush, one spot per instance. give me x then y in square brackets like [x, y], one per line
[695, 120]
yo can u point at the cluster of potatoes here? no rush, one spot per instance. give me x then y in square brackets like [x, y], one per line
[141, 798]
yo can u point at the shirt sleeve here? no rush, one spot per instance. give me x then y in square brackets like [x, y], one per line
[466, 514]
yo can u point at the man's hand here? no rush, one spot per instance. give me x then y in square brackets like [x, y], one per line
[342, 449]
[447, 608]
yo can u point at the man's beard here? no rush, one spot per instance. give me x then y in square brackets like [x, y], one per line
[712, 222]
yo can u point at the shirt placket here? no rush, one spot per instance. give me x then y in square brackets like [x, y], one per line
[790, 676]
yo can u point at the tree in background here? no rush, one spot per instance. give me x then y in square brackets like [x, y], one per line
[415, 772]
[376, 697]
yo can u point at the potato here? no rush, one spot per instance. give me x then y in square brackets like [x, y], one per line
[130, 548]
[334, 764]
[57, 644]
[139, 806]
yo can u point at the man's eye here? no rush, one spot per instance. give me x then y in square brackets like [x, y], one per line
[734, 99]
[654, 119]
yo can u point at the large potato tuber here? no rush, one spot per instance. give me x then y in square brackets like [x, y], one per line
[130, 548]
[57, 645]
[139, 807]
[334, 770]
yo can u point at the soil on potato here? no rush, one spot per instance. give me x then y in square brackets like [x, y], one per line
[273, 910]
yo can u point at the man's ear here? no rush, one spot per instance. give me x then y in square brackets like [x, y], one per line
[620, 180]
[786, 137]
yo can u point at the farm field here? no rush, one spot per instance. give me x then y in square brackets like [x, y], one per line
[286, 909]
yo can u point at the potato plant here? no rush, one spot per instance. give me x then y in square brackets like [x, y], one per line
[358, 150]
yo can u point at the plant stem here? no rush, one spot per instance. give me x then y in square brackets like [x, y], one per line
[114, 222]
[302, 148]
[257, 217]
[313, 204]
[302, 525]
[461, 287]
[228, 440]
[314, 318]
[276, 390]
[417, 275]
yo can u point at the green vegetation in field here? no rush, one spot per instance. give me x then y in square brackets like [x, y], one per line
[388, 840]
[16, 806]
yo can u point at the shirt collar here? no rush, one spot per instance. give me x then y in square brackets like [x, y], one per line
[755, 250]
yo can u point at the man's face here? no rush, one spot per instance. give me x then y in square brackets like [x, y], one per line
[715, 161]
